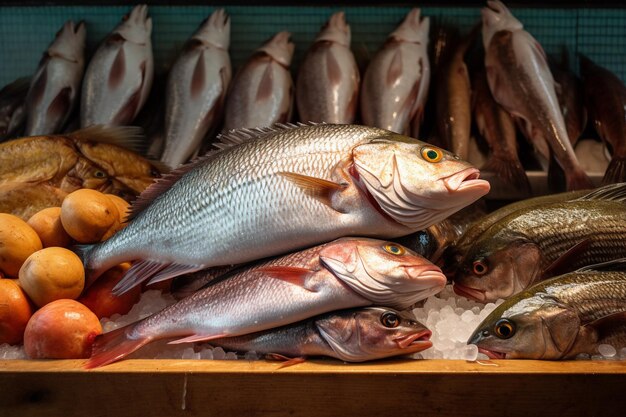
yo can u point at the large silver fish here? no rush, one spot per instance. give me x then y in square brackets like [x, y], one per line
[346, 273]
[119, 76]
[354, 335]
[274, 190]
[327, 87]
[54, 88]
[560, 318]
[521, 82]
[262, 91]
[395, 84]
[196, 89]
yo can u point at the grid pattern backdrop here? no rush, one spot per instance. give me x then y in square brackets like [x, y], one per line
[25, 32]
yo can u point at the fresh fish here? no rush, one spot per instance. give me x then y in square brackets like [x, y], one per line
[354, 335]
[196, 89]
[262, 91]
[521, 82]
[605, 95]
[185, 285]
[395, 84]
[274, 190]
[498, 129]
[55, 86]
[12, 113]
[119, 75]
[25, 199]
[559, 318]
[346, 273]
[592, 156]
[87, 158]
[327, 87]
[453, 98]
[539, 242]
[570, 95]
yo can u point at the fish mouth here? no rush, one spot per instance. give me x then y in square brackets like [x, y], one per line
[492, 353]
[469, 292]
[430, 277]
[468, 178]
[419, 341]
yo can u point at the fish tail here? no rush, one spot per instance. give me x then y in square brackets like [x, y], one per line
[113, 346]
[577, 179]
[510, 171]
[616, 171]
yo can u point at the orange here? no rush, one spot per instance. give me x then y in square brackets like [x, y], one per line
[17, 242]
[99, 299]
[47, 224]
[15, 310]
[87, 215]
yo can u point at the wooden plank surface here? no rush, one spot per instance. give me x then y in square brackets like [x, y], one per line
[319, 388]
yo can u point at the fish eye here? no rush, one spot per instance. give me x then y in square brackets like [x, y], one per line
[390, 320]
[99, 174]
[394, 249]
[480, 267]
[155, 173]
[504, 328]
[431, 154]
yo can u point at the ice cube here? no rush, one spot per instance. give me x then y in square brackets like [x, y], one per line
[467, 316]
[470, 353]
[231, 356]
[607, 351]
[251, 356]
[219, 354]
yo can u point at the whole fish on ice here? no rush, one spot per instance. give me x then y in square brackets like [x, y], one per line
[521, 82]
[262, 91]
[274, 190]
[54, 89]
[345, 273]
[396, 81]
[196, 89]
[327, 87]
[119, 76]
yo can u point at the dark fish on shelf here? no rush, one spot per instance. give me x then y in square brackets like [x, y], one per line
[345, 273]
[327, 87]
[12, 108]
[119, 76]
[25, 199]
[54, 89]
[569, 92]
[605, 95]
[560, 318]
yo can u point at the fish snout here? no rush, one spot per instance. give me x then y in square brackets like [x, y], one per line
[469, 292]
[467, 181]
[419, 339]
[429, 277]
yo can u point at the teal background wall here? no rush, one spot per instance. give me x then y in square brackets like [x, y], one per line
[25, 32]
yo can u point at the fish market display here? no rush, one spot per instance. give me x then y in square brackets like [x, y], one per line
[54, 89]
[452, 98]
[196, 89]
[273, 190]
[395, 84]
[605, 95]
[12, 108]
[86, 158]
[355, 335]
[521, 82]
[498, 129]
[346, 273]
[560, 318]
[539, 242]
[327, 86]
[262, 91]
[119, 76]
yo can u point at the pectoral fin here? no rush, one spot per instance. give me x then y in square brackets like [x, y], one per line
[317, 188]
[607, 324]
[286, 361]
[197, 338]
[292, 275]
[563, 263]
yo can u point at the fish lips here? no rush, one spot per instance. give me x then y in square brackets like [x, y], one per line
[492, 353]
[415, 342]
[469, 292]
[467, 179]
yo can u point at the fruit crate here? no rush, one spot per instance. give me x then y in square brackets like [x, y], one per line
[317, 387]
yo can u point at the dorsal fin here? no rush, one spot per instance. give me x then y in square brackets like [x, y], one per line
[161, 185]
[238, 136]
[612, 192]
[128, 137]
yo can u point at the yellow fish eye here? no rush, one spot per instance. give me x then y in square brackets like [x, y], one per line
[394, 249]
[431, 154]
[504, 329]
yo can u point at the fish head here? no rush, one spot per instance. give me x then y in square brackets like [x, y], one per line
[136, 26]
[414, 183]
[69, 43]
[497, 266]
[215, 30]
[496, 17]
[86, 174]
[373, 333]
[414, 29]
[336, 30]
[385, 273]
[280, 48]
[129, 168]
[531, 326]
